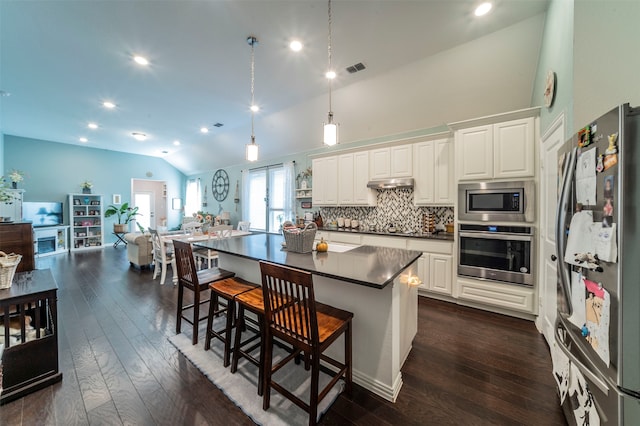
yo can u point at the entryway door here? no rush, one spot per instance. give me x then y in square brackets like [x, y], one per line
[552, 140]
[150, 198]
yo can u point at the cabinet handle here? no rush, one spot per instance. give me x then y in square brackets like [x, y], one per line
[553, 257]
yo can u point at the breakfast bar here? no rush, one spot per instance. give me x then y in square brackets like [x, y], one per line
[377, 284]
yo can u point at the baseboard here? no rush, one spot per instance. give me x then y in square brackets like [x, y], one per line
[390, 393]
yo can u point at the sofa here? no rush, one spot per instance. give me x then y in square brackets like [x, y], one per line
[139, 249]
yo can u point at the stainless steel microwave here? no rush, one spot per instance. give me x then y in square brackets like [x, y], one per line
[496, 201]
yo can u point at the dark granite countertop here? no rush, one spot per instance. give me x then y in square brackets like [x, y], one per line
[443, 236]
[364, 265]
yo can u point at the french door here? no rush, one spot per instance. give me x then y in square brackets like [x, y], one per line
[266, 190]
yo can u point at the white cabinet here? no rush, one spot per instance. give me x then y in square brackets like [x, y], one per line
[325, 181]
[489, 293]
[435, 267]
[13, 208]
[390, 162]
[496, 151]
[86, 219]
[433, 172]
[353, 175]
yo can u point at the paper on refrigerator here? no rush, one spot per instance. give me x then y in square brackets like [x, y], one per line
[586, 178]
[586, 236]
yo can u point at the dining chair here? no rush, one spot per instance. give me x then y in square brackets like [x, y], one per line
[244, 226]
[192, 227]
[190, 278]
[161, 257]
[311, 327]
[215, 232]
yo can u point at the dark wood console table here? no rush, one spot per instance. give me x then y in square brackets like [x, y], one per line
[30, 358]
[18, 238]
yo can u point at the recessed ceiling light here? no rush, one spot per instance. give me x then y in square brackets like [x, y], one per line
[141, 60]
[330, 74]
[84, 140]
[108, 104]
[176, 143]
[92, 126]
[254, 108]
[296, 45]
[139, 136]
[483, 9]
[204, 130]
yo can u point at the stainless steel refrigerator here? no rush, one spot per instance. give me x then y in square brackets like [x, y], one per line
[599, 179]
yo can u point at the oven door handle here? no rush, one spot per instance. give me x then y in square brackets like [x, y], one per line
[491, 236]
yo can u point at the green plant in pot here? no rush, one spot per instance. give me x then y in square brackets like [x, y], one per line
[124, 214]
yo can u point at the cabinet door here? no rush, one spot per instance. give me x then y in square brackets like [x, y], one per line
[443, 176]
[346, 179]
[440, 274]
[514, 152]
[423, 271]
[325, 181]
[379, 163]
[319, 167]
[474, 153]
[401, 165]
[425, 174]
[361, 194]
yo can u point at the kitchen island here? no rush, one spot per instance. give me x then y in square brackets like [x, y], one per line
[375, 283]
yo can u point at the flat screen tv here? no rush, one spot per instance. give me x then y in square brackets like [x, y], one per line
[42, 213]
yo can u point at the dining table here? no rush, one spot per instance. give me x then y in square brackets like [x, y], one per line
[168, 238]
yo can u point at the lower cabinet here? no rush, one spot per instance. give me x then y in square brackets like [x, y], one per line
[438, 273]
[507, 296]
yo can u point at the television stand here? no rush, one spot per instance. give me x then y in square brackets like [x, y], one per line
[50, 240]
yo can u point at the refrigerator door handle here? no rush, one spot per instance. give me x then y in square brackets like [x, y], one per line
[561, 222]
[588, 373]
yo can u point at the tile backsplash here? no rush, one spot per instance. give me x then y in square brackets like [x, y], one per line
[394, 206]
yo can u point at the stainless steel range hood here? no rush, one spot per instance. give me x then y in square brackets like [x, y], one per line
[391, 183]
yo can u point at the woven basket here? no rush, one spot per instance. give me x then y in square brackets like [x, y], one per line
[301, 241]
[8, 265]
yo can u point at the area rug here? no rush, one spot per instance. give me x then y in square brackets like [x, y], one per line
[241, 387]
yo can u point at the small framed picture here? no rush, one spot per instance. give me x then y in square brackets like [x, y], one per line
[117, 199]
[176, 203]
[76, 202]
[306, 204]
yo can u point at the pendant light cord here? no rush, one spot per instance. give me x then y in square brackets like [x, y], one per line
[253, 42]
[329, 55]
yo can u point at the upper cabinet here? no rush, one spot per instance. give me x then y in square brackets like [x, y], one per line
[390, 162]
[353, 175]
[325, 181]
[502, 149]
[433, 172]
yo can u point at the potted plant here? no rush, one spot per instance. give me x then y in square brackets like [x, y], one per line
[16, 176]
[124, 214]
[86, 187]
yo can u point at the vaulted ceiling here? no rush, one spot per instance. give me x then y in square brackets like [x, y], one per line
[427, 63]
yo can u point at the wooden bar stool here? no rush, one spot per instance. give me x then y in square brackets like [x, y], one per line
[309, 326]
[251, 301]
[197, 281]
[228, 289]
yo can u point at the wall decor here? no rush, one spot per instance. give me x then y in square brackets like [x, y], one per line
[176, 203]
[117, 199]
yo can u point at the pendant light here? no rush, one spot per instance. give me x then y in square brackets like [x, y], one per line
[330, 128]
[252, 148]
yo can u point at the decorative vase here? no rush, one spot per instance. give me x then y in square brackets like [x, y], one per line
[14, 185]
[86, 190]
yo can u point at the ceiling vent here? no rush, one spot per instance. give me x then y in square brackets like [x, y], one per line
[355, 68]
[218, 125]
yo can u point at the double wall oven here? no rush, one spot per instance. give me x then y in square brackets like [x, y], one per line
[497, 240]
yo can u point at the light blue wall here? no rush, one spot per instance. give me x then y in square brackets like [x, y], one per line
[557, 55]
[55, 169]
[606, 58]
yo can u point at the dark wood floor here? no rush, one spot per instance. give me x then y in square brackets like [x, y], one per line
[466, 367]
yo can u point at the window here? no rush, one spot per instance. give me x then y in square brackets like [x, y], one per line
[268, 197]
[193, 197]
